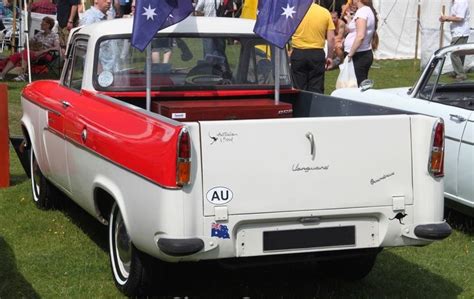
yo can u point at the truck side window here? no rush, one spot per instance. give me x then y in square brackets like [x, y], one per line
[75, 71]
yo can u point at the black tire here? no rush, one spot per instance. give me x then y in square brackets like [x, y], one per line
[44, 194]
[131, 269]
[351, 268]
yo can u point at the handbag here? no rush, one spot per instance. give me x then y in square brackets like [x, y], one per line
[347, 77]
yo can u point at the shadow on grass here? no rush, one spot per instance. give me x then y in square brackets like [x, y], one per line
[391, 277]
[12, 283]
[17, 179]
[460, 221]
[96, 231]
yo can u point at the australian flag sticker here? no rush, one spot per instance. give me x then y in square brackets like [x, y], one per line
[220, 231]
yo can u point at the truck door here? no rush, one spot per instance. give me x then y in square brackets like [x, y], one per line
[54, 143]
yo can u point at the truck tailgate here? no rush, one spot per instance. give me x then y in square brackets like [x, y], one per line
[278, 165]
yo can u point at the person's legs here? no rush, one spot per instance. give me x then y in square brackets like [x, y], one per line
[299, 70]
[456, 60]
[63, 36]
[316, 60]
[11, 63]
[362, 62]
[207, 46]
[8, 66]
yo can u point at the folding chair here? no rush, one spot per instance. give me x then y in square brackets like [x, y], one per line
[51, 60]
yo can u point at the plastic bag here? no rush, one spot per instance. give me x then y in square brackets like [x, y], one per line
[347, 77]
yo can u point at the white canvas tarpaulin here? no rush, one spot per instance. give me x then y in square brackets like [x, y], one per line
[398, 25]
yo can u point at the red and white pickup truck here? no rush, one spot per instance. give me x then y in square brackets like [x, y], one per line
[215, 169]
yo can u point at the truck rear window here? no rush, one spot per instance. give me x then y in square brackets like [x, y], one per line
[188, 63]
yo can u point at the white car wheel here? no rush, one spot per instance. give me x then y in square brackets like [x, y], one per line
[131, 268]
[42, 191]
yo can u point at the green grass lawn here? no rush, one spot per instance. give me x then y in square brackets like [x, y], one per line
[63, 253]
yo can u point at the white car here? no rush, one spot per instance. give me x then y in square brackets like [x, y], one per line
[438, 93]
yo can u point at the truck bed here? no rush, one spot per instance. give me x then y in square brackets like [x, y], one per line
[304, 104]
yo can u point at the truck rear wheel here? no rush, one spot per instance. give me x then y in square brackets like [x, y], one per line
[131, 268]
[43, 192]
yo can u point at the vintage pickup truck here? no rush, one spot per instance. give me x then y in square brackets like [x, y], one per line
[215, 169]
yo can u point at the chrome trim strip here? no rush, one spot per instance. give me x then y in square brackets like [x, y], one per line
[452, 138]
[459, 140]
[73, 142]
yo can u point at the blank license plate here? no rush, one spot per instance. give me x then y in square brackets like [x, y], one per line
[308, 238]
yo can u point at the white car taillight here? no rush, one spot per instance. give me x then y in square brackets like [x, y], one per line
[183, 160]
[436, 163]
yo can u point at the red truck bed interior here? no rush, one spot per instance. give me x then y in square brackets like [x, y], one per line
[195, 110]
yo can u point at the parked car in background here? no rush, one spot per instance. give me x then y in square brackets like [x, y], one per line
[438, 93]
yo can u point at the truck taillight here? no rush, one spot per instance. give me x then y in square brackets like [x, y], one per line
[183, 160]
[436, 164]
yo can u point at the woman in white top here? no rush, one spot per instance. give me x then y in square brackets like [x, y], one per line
[362, 38]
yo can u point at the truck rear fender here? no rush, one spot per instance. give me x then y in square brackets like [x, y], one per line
[428, 190]
[29, 132]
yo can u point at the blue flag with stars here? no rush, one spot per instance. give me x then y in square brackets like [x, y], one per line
[153, 15]
[277, 20]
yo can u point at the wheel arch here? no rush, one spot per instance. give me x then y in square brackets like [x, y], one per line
[105, 194]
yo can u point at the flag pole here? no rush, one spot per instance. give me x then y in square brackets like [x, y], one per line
[148, 77]
[28, 57]
[277, 75]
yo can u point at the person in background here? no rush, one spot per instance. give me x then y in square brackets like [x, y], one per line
[340, 30]
[114, 11]
[44, 41]
[211, 46]
[108, 53]
[7, 8]
[125, 7]
[308, 60]
[81, 7]
[2, 14]
[362, 38]
[460, 29]
[68, 18]
[43, 6]
[96, 13]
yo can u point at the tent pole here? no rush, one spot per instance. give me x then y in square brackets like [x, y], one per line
[13, 39]
[441, 29]
[417, 32]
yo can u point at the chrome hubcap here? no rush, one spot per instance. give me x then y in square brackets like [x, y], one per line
[123, 246]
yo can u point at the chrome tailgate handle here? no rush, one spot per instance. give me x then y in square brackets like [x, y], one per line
[310, 137]
[457, 117]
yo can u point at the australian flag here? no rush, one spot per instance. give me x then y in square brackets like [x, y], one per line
[277, 20]
[220, 231]
[153, 15]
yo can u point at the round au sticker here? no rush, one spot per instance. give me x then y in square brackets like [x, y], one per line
[105, 79]
[219, 195]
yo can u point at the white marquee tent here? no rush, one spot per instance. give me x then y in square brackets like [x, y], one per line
[398, 27]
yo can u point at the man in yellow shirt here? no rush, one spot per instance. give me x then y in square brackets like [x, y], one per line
[308, 60]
